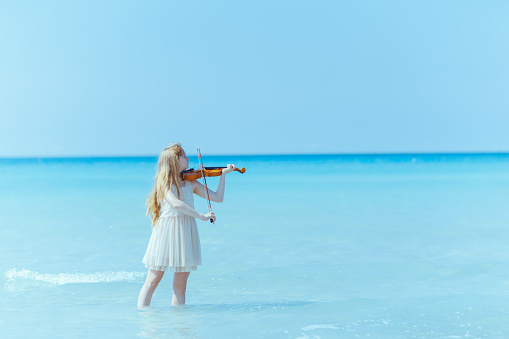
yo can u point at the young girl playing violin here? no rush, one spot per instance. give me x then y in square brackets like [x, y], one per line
[175, 244]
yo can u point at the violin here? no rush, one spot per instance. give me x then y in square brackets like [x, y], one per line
[192, 174]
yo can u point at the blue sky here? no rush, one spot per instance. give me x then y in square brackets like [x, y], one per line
[82, 78]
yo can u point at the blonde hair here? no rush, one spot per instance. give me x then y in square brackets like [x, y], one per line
[167, 175]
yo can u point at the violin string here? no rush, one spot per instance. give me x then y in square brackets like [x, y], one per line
[204, 180]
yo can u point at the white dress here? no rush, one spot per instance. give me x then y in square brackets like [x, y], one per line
[175, 243]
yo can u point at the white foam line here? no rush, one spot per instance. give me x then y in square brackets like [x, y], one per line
[315, 327]
[73, 278]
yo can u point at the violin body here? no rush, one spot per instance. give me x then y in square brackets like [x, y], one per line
[192, 174]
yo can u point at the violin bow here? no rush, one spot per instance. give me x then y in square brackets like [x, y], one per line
[205, 183]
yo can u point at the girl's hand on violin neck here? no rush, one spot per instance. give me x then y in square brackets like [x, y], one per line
[209, 216]
[228, 169]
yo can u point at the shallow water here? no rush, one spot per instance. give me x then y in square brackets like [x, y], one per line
[381, 246]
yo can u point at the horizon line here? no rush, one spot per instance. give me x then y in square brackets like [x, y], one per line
[257, 155]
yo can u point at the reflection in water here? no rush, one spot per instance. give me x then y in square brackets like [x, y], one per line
[193, 321]
[177, 322]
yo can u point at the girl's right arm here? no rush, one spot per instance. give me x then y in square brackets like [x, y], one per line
[186, 209]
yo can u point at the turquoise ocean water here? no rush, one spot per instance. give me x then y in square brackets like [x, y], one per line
[318, 246]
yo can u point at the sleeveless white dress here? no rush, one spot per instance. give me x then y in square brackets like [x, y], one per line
[175, 243]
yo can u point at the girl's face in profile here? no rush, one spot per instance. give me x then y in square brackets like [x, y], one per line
[183, 162]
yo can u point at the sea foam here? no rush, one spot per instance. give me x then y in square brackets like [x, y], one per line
[25, 278]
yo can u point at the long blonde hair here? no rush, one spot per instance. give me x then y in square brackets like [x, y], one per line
[167, 176]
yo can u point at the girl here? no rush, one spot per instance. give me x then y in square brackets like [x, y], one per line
[175, 243]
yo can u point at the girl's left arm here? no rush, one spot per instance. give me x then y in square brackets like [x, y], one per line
[216, 196]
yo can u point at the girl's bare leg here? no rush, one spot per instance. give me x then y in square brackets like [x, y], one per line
[153, 279]
[179, 288]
